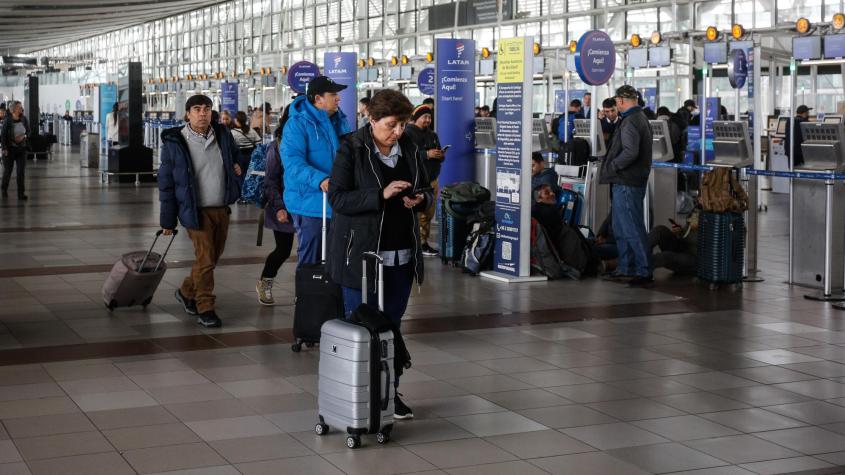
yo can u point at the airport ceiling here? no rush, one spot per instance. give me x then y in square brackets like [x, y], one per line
[31, 25]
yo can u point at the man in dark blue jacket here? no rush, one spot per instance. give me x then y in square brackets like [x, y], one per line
[626, 168]
[197, 181]
[310, 141]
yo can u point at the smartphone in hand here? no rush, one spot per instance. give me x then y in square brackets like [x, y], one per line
[445, 147]
[414, 192]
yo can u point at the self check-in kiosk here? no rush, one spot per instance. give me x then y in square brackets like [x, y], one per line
[731, 144]
[539, 136]
[663, 182]
[485, 158]
[597, 196]
[818, 256]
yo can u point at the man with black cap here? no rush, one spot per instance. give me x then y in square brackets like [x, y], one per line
[197, 183]
[626, 168]
[310, 141]
[802, 114]
[420, 132]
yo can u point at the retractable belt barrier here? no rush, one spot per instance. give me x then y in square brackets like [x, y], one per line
[752, 171]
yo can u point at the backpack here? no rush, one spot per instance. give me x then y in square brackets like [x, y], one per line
[544, 256]
[478, 251]
[370, 317]
[721, 192]
[253, 187]
[465, 192]
[574, 250]
[576, 152]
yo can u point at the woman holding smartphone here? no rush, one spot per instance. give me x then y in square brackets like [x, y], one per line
[373, 210]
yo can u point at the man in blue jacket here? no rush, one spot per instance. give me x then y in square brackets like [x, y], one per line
[197, 181]
[309, 143]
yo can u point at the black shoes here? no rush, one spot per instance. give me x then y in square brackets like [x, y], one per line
[189, 305]
[614, 277]
[400, 410]
[209, 319]
[429, 251]
[23, 197]
[641, 281]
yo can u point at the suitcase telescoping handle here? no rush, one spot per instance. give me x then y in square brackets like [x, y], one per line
[161, 259]
[323, 241]
[379, 279]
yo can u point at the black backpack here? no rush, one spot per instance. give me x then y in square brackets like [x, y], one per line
[478, 251]
[576, 152]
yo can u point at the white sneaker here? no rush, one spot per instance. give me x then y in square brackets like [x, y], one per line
[264, 288]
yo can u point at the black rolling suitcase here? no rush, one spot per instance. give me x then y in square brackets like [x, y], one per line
[318, 299]
[721, 247]
[457, 203]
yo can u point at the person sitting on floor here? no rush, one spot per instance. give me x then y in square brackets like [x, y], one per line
[678, 246]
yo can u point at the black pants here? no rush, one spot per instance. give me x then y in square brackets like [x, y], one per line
[284, 244]
[16, 158]
[673, 253]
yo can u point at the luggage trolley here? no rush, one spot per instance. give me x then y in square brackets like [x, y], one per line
[818, 258]
[597, 196]
[663, 182]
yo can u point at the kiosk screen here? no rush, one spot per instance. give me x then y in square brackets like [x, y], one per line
[715, 53]
[659, 56]
[638, 58]
[807, 47]
[834, 46]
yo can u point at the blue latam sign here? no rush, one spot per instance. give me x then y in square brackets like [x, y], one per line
[342, 68]
[455, 107]
[229, 97]
[425, 81]
[300, 74]
[595, 58]
[737, 69]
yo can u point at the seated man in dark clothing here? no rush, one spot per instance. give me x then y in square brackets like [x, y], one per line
[678, 246]
[546, 210]
[605, 244]
[540, 175]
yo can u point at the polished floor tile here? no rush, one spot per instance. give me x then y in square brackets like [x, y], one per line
[664, 458]
[613, 436]
[741, 449]
[593, 463]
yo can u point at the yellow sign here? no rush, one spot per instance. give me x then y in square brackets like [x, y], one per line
[511, 60]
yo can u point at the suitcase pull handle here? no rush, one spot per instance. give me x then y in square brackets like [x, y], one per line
[147, 256]
[380, 278]
[386, 400]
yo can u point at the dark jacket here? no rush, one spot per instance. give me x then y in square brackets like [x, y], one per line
[426, 140]
[628, 160]
[7, 135]
[355, 194]
[798, 137]
[274, 187]
[177, 185]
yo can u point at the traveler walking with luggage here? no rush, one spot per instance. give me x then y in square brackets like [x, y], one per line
[15, 139]
[310, 139]
[375, 209]
[276, 219]
[197, 181]
[626, 168]
[419, 130]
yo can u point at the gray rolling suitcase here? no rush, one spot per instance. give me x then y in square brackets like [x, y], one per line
[356, 377]
[135, 277]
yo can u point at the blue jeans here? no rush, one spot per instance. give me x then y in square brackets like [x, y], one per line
[398, 281]
[309, 236]
[629, 231]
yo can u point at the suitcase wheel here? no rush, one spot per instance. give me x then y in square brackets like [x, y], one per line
[111, 305]
[353, 441]
[310, 344]
[147, 302]
[321, 429]
[382, 438]
[296, 347]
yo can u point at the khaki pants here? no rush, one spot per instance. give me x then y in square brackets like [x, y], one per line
[428, 215]
[209, 241]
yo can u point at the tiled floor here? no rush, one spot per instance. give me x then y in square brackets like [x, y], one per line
[529, 379]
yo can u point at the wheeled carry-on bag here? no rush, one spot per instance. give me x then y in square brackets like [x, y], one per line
[721, 247]
[318, 299]
[356, 376]
[135, 277]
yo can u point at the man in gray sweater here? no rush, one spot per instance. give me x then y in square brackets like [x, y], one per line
[197, 181]
[626, 168]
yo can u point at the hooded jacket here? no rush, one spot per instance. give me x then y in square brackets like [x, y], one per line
[310, 140]
[177, 183]
[355, 194]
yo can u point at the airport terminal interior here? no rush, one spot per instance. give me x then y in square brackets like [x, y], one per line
[528, 354]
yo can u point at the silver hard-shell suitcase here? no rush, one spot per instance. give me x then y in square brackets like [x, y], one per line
[356, 377]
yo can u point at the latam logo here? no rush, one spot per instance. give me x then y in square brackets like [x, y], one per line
[337, 60]
[459, 48]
